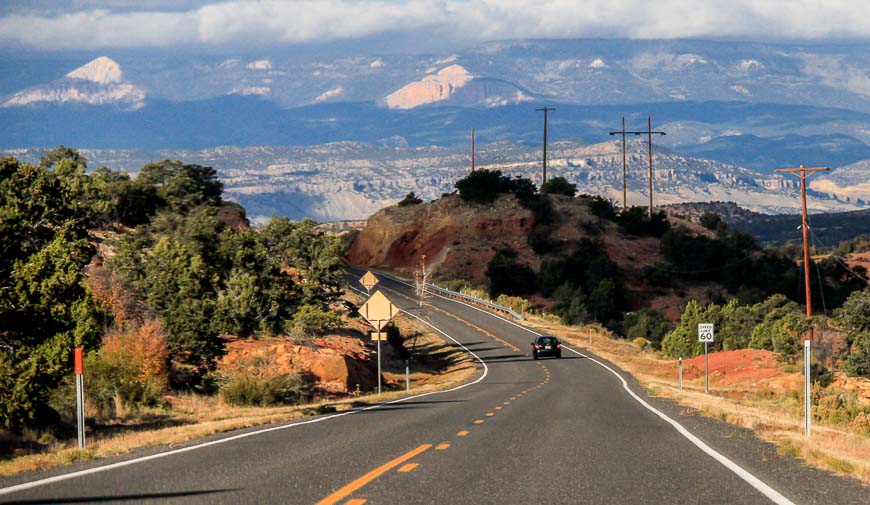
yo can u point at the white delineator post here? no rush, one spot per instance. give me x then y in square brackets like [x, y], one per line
[807, 379]
[680, 367]
[407, 376]
[80, 398]
[379, 355]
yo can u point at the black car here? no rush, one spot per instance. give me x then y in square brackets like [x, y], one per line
[546, 345]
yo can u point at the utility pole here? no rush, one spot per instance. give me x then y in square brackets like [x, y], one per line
[624, 169]
[649, 133]
[472, 150]
[801, 173]
[545, 110]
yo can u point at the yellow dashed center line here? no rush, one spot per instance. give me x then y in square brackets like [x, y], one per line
[498, 408]
[490, 414]
[407, 467]
[356, 501]
[478, 421]
[462, 433]
[442, 446]
[353, 486]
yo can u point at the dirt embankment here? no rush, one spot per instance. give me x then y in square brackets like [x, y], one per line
[455, 237]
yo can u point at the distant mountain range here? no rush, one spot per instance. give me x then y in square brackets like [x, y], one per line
[352, 180]
[750, 105]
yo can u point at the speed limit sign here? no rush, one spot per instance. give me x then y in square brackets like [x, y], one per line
[705, 332]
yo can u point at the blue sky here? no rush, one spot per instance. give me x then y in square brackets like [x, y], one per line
[44, 25]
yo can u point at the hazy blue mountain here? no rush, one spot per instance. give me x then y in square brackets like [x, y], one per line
[767, 154]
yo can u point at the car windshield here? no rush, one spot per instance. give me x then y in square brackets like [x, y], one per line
[547, 340]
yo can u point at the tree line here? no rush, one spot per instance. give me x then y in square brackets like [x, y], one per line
[147, 273]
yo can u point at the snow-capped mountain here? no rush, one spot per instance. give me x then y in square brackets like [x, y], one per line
[99, 82]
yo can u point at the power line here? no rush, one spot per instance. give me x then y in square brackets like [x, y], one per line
[649, 133]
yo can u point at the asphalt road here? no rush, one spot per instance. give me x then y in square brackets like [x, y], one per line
[552, 431]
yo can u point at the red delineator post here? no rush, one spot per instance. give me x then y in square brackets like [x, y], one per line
[78, 368]
[78, 361]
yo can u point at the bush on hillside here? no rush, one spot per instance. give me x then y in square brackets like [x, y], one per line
[713, 222]
[601, 207]
[410, 199]
[508, 277]
[311, 320]
[484, 186]
[559, 186]
[636, 221]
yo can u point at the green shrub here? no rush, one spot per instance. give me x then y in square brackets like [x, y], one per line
[255, 390]
[410, 199]
[506, 276]
[857, 363]
[542, 242]
[658, 275]
[836, 406]
[641, 343]
[312, 320]
[559, 186]
[636, 221]
[603, 208]
[483, 186]
[648, 324]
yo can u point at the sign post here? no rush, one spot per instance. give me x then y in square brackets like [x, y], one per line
[407, 376]
[80, 398]
[807, 378]
[705, 334]
[378, 310]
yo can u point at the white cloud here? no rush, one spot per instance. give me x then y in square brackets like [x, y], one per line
[270, 22]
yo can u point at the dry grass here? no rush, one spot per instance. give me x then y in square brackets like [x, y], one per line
[775, 416]
[194, 416]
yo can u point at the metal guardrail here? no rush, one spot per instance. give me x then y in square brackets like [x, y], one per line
[476, 301]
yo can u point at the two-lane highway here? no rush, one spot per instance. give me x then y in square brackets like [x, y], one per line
[524, 431]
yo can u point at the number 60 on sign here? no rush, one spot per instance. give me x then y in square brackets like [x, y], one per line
[705, 332]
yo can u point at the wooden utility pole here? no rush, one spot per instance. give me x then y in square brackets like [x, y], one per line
[545, 110]
[472, 150]
[801, 173]
[624, 165]
[649, 133]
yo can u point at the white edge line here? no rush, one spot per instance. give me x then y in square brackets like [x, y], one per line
[744, 474]
[81, 473]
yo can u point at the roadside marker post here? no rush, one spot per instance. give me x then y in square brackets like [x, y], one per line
[80, 397]
[706, 335]
[407, 376]
[680, 367]
[807, 411]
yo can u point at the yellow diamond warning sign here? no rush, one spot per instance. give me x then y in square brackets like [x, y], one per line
[378, 310]
[368, 280]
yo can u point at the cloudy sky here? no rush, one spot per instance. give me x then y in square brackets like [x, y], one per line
[47, 25]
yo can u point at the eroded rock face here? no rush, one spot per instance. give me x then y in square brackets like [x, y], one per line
[456, 237]
[337, 364]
